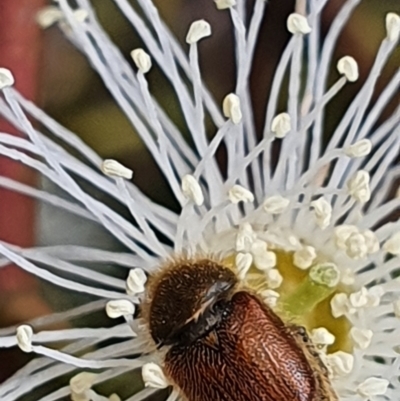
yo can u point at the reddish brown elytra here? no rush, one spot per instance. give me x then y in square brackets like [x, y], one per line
[224, 344]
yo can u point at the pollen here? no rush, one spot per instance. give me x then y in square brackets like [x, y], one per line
[303, 289]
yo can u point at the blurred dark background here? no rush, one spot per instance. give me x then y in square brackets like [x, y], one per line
[55, 75]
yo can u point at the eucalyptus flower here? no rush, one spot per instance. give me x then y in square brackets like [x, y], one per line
[310, 229]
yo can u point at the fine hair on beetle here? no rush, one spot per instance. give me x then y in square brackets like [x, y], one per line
[219, 341]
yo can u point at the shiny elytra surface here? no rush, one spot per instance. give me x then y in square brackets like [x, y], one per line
[251, 356]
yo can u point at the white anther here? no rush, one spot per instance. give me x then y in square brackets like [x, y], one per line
[347, 277]
[119, 307]
[323, 212]
[372, 386]
[142, 60]
[348, 67]
[81, 15]
[243, 263]
[239, 194]
[396, 308]
[359, 299]
[223, 4]
[192, 190]
[340, 363]
[48, 16]
[392, 245]
[112, 168]
[24, 337]
[342, 233]
[281, 125]
[325, 274]
[321, 336]
[263, 259]
[356, 247]
[270, 297]
[198, 30]
[374, 296]
[274, 278]
[276, 204]
[135, 283]
[6, 78]
[82, 382]
[358, 186]
[339, 305]
[304, 257]
[393, 27]
[359, 149]
[371, 240]
[114, 397]
[245, 238]
[231, 108]
[153, 376]
[297, 23]
[361, 337]
[258, 247]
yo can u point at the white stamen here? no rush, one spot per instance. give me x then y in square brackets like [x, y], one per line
[297, 23]
[192, 190]
[6, 78]
[119, 307]
[223, 4]
[323, 212]
[243, 262]
[321, 336]
[361, 337]
[348, 67]
[245, 238]
[239, 194]
[392, 245]
[373, 386]
[356, 247]
[393, 27]
[358, 186]
[396, 308]
[347, 277]
[114, 397]
[198, 30]
[270, 297]
[274, 278]
[81, 14]
[359, 299]
[325, 274]
[359, 149]
[276, 204]
[48, 16]
[231, 108]
[24, 337]
[342, 233]
[142, 60]
[371, 241]
[339, 305]
[374, 296]
[281, 125]
[153, 376]
[340, 363]
[135, 283]
[263, 259]
[304, 258]
[82, 382]
[112, 168]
